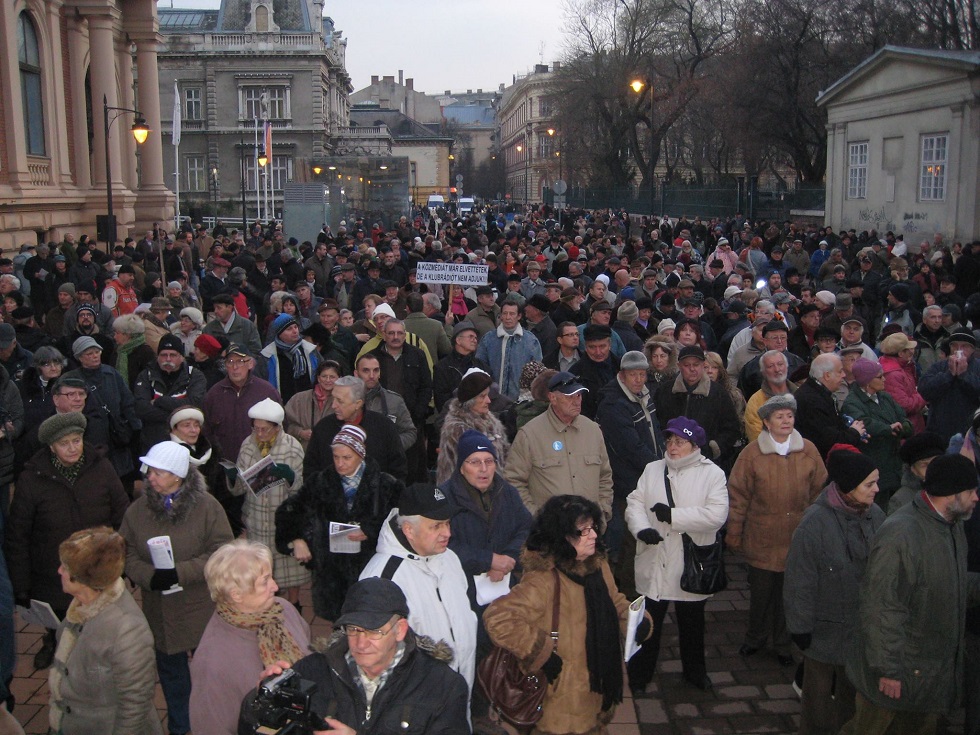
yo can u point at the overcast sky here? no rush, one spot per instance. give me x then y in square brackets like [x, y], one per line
[441, 44]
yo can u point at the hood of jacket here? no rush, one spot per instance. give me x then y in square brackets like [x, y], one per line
[335, 647]
[535, 561]
[187, 499]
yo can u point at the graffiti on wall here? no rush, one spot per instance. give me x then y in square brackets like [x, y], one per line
[913, 222]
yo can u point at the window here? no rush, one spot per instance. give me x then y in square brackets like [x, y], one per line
[546, 146]
[544, 107]
[196, 173]
[192, 103]
[932, 179]
[276, 98]
[282, 171]
[250, 172]
[857, 170]
[29, 58]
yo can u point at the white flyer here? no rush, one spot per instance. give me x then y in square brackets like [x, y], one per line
[340, 542]
[162, 555]
[39, 614]
[487, 590]
[632, 623]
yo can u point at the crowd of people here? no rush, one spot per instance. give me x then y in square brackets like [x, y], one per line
[218, 416]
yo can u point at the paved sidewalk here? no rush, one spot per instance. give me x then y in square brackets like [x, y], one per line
[753, 695]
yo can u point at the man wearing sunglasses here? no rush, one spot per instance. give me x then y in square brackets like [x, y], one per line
[381, 676]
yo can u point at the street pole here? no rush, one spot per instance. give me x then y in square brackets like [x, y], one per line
[140, 132]
[650, 161]
[241, 161]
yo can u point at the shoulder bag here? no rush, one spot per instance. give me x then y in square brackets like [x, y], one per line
[704, 566]
[515, 695]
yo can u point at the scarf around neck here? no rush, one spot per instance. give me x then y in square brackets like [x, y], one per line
[276, 643]
[69, 472]
[603, 649]
[296, 354]
[123, 351]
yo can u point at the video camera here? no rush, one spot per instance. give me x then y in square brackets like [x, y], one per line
[280, 706]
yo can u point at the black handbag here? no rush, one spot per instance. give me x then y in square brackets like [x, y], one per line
[120, 432]
[704, 566]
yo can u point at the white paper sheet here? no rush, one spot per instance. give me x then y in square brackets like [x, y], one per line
[340, 542]
[632, 623]
[487, 590]
[39, 614]
[162, 555]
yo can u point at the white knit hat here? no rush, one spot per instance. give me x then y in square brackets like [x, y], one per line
[186, 412]
[193, 314]
[267, 410]
[167, 456]
[383, 309]
[665, 324]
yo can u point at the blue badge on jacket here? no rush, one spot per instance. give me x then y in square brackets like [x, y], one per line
[557, 446]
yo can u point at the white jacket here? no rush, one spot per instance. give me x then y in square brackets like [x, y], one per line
[435, 587]
[701, 508]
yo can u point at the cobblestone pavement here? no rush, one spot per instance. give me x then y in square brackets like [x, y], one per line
[753, 695]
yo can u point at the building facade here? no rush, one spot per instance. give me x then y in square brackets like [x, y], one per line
[62, 58]
[234, 68]
[903, 149]
[524, 118]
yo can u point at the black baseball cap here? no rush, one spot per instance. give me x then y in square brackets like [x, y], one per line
[426, 500]
[371, 603]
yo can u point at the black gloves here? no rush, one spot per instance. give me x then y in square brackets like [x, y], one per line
[662, 511]
[552, 667]
[802, 640]
[650, 536]
[163, 579]
[643, 631]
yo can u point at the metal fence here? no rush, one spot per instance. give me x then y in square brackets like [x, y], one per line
[698, 201]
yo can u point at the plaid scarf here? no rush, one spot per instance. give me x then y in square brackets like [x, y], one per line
[69, 472]
[276, 643]
[296, 354]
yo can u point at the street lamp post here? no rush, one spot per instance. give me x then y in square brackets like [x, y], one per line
[140, 131]
[527, 166]
[637, 86]
[241, 163]
[214, 190]
[551, 133]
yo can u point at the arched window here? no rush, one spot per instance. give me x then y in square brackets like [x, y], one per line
[262, 19]
[29, 58]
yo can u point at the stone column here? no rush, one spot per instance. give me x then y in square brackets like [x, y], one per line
[127, 143]
[149, 107]
[77, 50]
[102, 71]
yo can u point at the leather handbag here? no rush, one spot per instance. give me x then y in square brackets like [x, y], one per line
[704, 566]
[517, 696]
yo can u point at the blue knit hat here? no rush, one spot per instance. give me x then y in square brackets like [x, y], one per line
[282, 322]
[470, 442]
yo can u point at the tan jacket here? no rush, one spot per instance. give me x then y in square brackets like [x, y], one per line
[550, 458]
[768, 494]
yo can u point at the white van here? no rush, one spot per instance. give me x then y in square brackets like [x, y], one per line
[466, 205]
[436, 201]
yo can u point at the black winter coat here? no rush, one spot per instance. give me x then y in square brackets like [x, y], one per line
[710, 405]
[817, 418]
[383, 445]
[626, 431]
[448, 373]
[307, 515]
[46, 510]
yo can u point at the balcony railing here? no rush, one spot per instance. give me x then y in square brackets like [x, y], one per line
[39, 170]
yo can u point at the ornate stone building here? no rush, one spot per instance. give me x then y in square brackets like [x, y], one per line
[61, 58]
[250, 60]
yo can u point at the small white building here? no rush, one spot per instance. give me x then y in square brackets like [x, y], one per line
[903, 144]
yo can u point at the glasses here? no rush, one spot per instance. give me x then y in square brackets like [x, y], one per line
[587, 530]
[48, 363]
[569, 334]
[353, 631]
[673, 439]
[236, 363]
[481, 462]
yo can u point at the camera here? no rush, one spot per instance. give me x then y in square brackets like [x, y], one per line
[281, 706]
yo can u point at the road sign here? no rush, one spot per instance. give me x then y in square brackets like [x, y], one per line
[560, 187]
[559, 201]
[459, 178]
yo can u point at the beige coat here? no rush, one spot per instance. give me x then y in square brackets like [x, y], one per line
[107, 683]
[768, 494]
[197, 528]
[302, 413]
[550, 458]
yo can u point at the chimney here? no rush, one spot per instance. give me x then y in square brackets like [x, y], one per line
[555, 65]
[479, 91]
[500, 89]
[401, 77]
[449, 93]
[410, 84]
[388, 80]
[469, 91]
[374, 79]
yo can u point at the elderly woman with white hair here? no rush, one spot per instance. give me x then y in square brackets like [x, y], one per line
[265, 493]
[251, 628]
[176, 505]
[774, 480]
[189, 328]
[133, 354]
[470, 409]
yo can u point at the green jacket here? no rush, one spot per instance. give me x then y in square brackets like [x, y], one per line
[912, 617]
[882, 446]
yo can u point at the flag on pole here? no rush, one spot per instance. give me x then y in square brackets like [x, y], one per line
[176, 134]
[267, 134]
